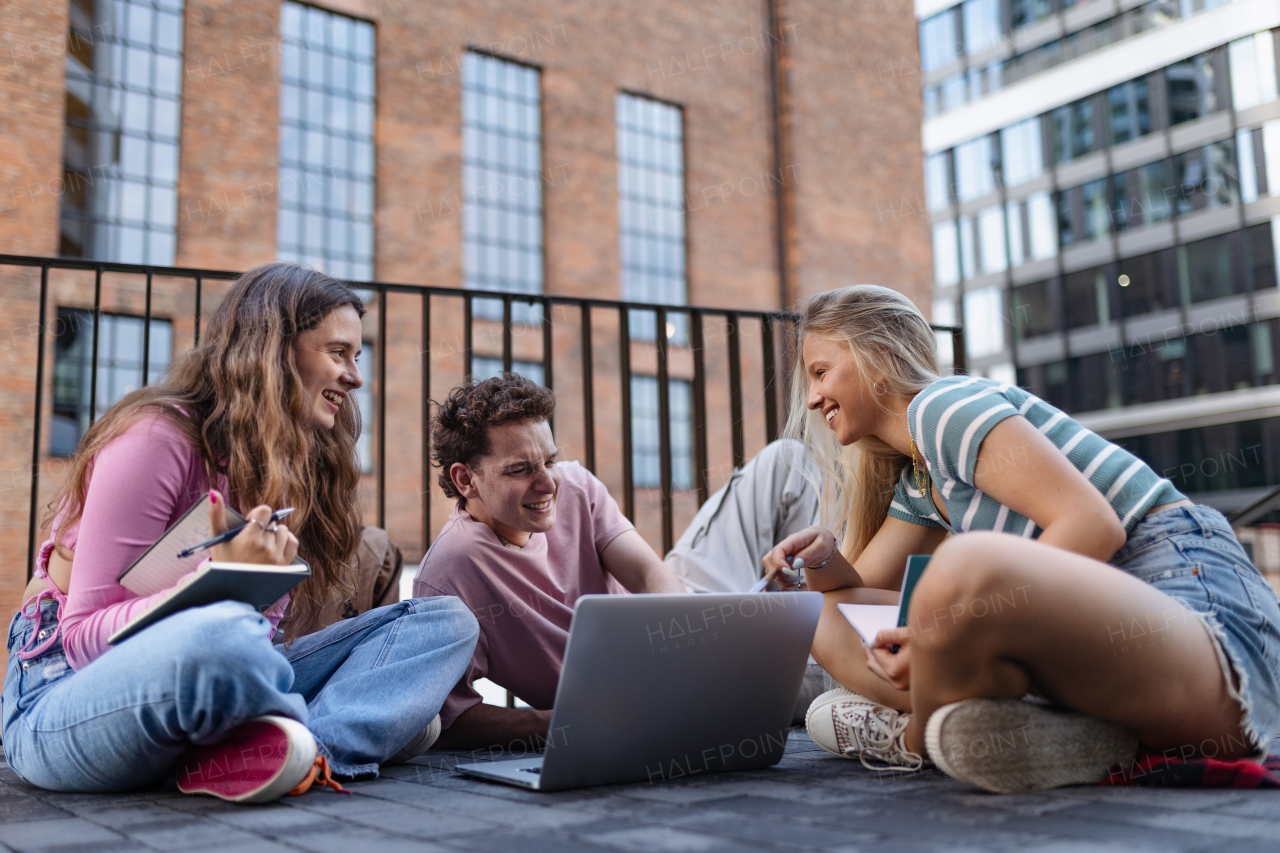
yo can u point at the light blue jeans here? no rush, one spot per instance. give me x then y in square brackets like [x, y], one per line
[364, 687]
[1191, 554]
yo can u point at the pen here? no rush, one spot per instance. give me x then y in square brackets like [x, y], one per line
[793, 575]
[230, 534]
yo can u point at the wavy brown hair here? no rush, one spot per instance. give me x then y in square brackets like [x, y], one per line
[238, 399]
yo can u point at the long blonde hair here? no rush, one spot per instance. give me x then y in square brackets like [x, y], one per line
[890, 339]
[238, 399]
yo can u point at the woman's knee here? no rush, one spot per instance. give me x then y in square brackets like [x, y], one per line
[227, 634]
[450, 615]
[968, 579]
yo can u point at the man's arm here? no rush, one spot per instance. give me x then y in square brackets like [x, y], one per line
[630, 559]
[482, 726]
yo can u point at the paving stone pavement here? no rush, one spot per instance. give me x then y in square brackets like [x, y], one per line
[810, 801]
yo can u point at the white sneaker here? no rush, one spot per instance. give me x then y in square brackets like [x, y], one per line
[421, 742]
[852, 726]
[1008, 745]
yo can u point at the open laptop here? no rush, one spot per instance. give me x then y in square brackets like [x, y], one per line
[662, 687]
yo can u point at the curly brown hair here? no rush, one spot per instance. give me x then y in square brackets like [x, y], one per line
[459, 429]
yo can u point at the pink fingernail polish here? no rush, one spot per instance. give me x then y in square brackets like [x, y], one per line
[213, 496]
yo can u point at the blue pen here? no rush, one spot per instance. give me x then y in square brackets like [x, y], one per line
[230, 534]
[797, 563]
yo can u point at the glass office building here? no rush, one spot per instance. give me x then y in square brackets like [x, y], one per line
[1103, 185]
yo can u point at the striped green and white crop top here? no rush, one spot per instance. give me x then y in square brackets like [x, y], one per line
[950, 418]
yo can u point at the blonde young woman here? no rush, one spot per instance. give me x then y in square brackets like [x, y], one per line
[1081, 606]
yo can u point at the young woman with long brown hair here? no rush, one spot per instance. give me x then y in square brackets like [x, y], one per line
[258, 416]
[1074, 576]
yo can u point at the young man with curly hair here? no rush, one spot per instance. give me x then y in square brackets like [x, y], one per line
[530, 534]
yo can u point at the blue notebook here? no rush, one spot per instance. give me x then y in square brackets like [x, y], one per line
[870, 619]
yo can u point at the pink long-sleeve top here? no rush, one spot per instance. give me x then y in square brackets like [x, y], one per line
[139, 485]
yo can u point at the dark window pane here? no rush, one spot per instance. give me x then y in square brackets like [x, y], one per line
[1035, 309]
[1192, 93]
[1209, 269]
[1223, 360]
[1148, 283]
[1046, 381]
[1262, 257]
[1086, 298]
[1095, 382]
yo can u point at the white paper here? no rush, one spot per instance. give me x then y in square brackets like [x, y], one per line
[870, 619]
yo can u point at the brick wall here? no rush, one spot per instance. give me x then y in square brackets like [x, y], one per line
[851, 152]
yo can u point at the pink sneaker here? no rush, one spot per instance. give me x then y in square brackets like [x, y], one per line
[259, 761]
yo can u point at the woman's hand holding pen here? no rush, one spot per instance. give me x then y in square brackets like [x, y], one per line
[810, 548]
[262, 541]
[893, 667]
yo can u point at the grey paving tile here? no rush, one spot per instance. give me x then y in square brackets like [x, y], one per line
[183, 832]
[506, 842]
[419, 822]
[355, 839]
[18, 807]
[785, 830]
[39, 836]
[663, 839]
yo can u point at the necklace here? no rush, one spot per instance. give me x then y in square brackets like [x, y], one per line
[921, 476]
[503, 539]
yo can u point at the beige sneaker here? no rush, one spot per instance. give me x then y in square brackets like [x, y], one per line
[421, 742]
[852, 726]
[1008, 745]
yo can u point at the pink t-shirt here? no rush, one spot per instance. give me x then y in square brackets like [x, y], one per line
[524, 597]
[140, 484]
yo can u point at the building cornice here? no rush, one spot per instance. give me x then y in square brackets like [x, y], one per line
[1245, 404]
[1125, 60]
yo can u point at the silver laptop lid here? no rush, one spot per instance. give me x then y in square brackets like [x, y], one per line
[659, 687]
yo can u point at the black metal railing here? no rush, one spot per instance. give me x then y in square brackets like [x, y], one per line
[587, 309]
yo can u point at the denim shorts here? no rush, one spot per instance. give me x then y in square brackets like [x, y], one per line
[1191, 554]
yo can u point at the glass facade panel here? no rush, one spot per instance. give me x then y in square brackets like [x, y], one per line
[646, 448]
[983, 322]
[1211, 269]
[939, 41]
[1034, 310]
[946, 258]
[974, 176]
[1207, 177]
[1073, 131]
[1192, 89]
[325, 201]
[1129, 111]
[1048, 382]
[120, 140]
[937, 181]
[981, 25]
[502, 183]
[1017, 243]
[1148, 283]
[1087, 299]
[1042, 226]
[651, 209]
[1253, 70]
[1026, 12]
[991, 240]
[1097, 209]
[119, 368]
[1021, 152]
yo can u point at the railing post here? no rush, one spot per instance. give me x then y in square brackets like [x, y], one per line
[588, 390]
[34, 509]
[664, 431]
[146, 335]
[699, 406]
[547, 381]
[426, 421]
[466, 338]
[770, 379]
[382, 406]
[624, 363]
[958, 361]
[199, 288]
[735, 391]
[506, 334]
[93, 358]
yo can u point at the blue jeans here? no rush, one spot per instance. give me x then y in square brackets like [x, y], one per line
[1191, 554]
[364, 687]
